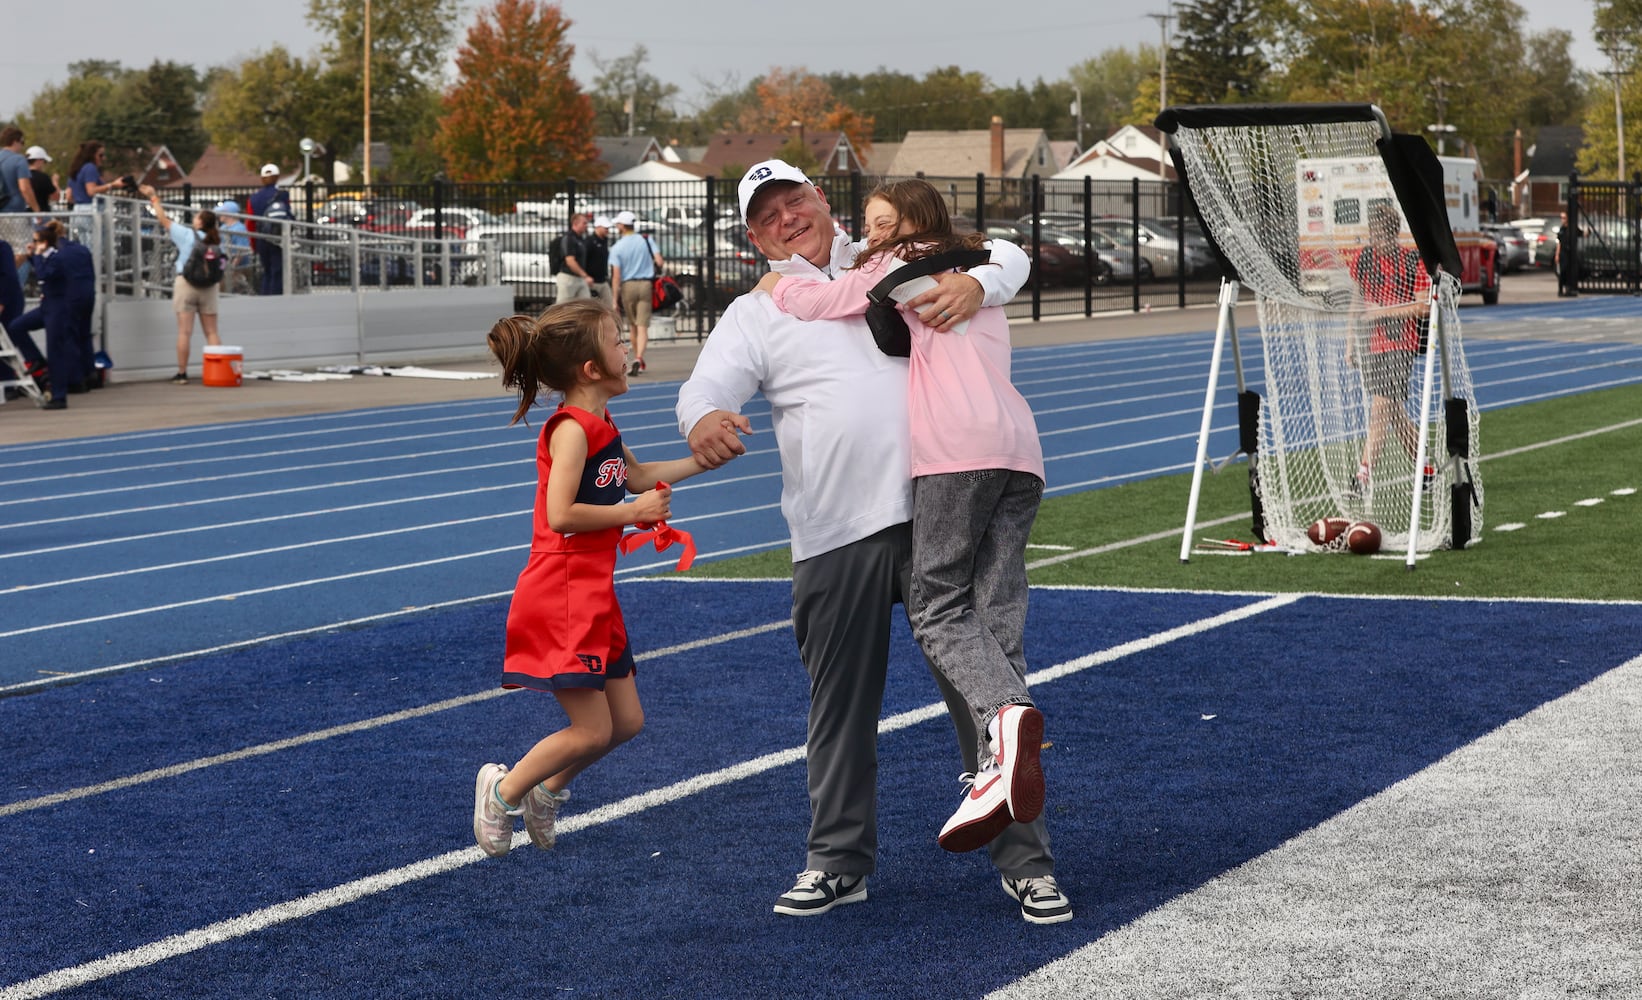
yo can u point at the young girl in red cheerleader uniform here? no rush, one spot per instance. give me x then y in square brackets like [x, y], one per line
[564, 629]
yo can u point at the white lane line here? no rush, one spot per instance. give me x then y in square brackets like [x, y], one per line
[247, 521]
[666, 561]
[349, 892]
[363, 725]
[271, 550]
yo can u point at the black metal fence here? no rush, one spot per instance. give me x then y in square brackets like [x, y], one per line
[1606, 242]
[1096, 246]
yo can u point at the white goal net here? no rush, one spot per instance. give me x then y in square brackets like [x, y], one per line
[1365, 395]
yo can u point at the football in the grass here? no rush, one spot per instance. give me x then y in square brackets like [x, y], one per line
[1327, 531]
[1363, 538]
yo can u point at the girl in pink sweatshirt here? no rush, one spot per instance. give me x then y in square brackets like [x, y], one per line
[977, 481]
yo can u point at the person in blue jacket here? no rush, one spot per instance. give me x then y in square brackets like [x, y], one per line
[68, 292]
[270, 208]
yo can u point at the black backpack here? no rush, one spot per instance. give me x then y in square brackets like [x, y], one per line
[203, 268]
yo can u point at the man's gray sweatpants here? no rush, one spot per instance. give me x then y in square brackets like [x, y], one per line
[842, 603]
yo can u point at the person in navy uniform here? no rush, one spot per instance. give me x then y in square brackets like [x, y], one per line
[269, 207]
[68, 291]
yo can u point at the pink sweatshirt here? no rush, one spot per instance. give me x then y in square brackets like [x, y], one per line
[965, 413]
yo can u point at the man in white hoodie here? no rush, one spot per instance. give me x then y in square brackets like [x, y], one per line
[839, 413]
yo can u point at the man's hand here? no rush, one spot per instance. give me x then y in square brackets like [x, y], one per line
[956, 297]
[715, 440]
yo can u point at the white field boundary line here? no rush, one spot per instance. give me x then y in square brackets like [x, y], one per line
[1216, 522]
[355, 575]
[346, 729]
[350, 892]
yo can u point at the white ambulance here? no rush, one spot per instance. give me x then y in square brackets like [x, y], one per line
[1336, 195]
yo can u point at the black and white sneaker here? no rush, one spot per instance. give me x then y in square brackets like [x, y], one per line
[817, 892]
[1040, 897]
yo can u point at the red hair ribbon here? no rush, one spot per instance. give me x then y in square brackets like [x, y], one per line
[664, 537]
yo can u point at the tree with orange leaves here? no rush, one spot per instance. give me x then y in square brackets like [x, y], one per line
[515, 113]
[784, 97]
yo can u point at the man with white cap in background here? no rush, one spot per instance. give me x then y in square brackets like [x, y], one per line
[270, 208]
[45, 185]
[634, 264]
[840, 418]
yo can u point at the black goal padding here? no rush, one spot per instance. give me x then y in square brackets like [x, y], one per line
[1259, 525]
[1457, 417]
[1461, 498]
[1416, 176]
[1248, 421]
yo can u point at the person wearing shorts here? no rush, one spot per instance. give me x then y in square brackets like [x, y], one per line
[188, 301]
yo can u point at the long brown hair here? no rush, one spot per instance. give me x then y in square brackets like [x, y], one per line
[88, 153]
[49, 233]
[548, 351]
[206, 222]
[918, 202]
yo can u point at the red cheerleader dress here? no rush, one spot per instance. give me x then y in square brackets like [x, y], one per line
[564, 628]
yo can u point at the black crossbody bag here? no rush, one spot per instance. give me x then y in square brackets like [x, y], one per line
[889, 327]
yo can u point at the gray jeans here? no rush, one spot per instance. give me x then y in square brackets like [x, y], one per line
[968, 608]
[842, 603]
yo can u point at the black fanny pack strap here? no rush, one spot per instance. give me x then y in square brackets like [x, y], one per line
[925, 266]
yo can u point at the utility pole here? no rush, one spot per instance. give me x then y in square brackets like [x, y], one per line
[1163, 20]
[1441, 128]
[1618, 53]
[367, 164]
[1077, 110]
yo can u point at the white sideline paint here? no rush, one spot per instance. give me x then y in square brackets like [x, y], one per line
[363, 725]
[349, 892]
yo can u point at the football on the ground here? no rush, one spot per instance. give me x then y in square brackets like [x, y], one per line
[1326, 531]
[1363, 538]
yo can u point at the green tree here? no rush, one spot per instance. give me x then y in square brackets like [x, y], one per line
[1555, 90]
[1042, 105]
[1110, 83]
[947, 98]
[132, 112]
[410, 40]
[515, 112]
[625, 92]
[1218, 51]
[259, 110]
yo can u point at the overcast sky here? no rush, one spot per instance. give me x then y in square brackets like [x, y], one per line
[692, 45]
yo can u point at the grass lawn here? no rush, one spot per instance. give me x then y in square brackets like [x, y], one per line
[1539, 459]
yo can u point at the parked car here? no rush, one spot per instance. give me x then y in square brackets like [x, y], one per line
[525, 263]
[1513, 251]
[1055, 264]
[1162, 254]
[1112, 262]
[1541, 233]
[457, 219]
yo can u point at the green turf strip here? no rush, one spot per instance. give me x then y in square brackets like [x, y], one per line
[1527, 470]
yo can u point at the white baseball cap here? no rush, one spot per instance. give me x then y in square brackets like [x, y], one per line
[601, 222]
[37, 153]
[764, 173]
[626, 219]
[269, 170]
